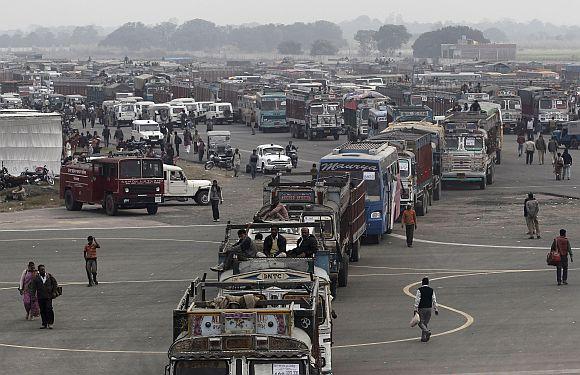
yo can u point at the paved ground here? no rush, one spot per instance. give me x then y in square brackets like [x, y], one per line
[503, 311]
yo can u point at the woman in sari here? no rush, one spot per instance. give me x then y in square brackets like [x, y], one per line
[29, 297]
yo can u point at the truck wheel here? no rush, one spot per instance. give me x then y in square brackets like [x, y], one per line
[202, 197]
[336, 137]
[343, 273]
[483, 183]
[110, 205]
[355, 252]
[437, 192]
[490, 176]
[70, 203]
[152, 209]
[422, 206]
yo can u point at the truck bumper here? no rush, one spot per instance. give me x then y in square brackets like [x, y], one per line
[138, 202]
[463, 177]
[324, 132]
[274, 168]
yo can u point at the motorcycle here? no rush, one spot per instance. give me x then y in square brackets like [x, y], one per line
[220, 162]
[293, 155]
[9, 181]
[40, 174]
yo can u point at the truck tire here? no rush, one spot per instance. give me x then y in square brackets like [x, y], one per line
[110, 205]
[343, 273]
[483, 183]
[355, 251]
[437, 192]
[336, 136]
[490, 176]
[70, 203]
[422, 206]
[202, 197]
[152, 209]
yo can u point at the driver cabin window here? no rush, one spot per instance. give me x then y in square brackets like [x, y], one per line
[175, 176]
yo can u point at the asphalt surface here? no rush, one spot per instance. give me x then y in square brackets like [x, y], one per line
[503, 312]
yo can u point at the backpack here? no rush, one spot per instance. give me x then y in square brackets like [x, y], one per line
[532, 207]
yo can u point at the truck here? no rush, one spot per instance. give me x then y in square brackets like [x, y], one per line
[569, 135]
[333, 200]
[357, 108]
[544, 104]
[177, 187]
[113, 182]
[219, 113]
[270, 316]
[270, 110]
[511, 109]
[313, 114]
[420, 180]
[472, 147]
[406, 113]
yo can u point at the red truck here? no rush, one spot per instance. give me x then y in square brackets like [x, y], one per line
[113, 182]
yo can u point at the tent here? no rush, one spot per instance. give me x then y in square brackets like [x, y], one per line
[30, 139]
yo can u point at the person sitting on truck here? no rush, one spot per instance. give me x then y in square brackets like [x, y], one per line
[243, 249]
[277, 211]
[475, 107]
[274, 243]
[306, 246]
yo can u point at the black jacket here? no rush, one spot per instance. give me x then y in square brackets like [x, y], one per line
[45, 290]
[281, 241]
[307, 246]
[245, 248]
[567, 158]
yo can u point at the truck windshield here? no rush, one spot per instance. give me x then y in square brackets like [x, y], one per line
[273, 150]
[365, 114]
[372, 179]
[268, 105]
[137, 168]
[452, 143]
[127, 108]
[332, 108]
[149, 128]
[404, 168]
[514, 104]
[202, 368]
[222, 139]
[326, 220]
[546, 104]
[316, 110]
[473, 143]
[561, 104]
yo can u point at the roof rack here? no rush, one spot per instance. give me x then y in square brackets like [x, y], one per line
[369, 146]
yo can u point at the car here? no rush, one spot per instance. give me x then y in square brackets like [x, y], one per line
[272, 158]
[177, 187]
[146, 130]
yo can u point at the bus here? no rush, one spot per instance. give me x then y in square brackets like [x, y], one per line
[375, 162]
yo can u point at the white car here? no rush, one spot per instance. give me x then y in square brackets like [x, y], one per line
[146, 130]
[272, 158]
[219, 113]
[178, 188]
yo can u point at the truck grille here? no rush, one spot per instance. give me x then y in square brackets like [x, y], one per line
[142, 189]
[461, 163]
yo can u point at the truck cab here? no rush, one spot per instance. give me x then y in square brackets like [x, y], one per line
[178, 187]
[146, 130]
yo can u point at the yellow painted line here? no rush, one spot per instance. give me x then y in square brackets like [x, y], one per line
[82, 350]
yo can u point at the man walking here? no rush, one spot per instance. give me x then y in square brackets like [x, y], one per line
[118, 136]
[106, 135]
[237, 162]
[216, 198]
[530, 148]
[541, 148]
[425, 303]
[45, 287]
[530, 128]
[567, 164]
[177, 141]
[553, 149]
[253, 163]
[187, 140]
[200, 150]
[90, 254]
[521, 140]
[409, 222]
[562, 246]
[531, 210]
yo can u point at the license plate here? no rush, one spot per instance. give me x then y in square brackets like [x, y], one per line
[157, 199]
[327, 131]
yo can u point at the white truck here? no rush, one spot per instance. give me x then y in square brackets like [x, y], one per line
[178, 188]
[272, 158]
[146, 130]
[219, 113]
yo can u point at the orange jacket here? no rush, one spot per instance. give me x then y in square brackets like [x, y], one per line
[409, 217]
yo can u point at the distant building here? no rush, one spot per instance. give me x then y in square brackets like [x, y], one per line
[467, 49]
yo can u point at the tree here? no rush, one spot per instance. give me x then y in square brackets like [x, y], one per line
[428, 45]
[289, 47]
[366, 41]
[496, 35]
[391, 37]
[323, 47]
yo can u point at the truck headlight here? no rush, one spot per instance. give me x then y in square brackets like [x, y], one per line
[157, 189]
[376, 215]
[126, 190]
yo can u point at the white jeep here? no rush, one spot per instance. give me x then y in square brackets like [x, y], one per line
[178, 188]
[272, 158]
[146, 130]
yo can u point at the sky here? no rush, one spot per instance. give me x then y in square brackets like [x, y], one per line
[115, 12]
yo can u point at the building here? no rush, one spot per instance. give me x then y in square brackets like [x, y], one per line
[467, 49]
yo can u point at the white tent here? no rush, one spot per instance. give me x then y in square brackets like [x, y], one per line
[30, 139]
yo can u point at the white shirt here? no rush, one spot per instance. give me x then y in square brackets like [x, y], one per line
[418, 299]
[44, 278]
[530, 125]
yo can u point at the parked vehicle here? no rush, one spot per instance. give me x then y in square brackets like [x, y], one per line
[114, 183]
[270, 111]
[147, 130]
[218, 143]
[409, 113]
[569, 135]
[142, 109]
[219, 113]
[511, 109]
[544, 104]
[9, 181]
[271, 158]
[357, 108]
[313, 115]
[40, 174]
[224, 162]
[199, 109]
[178, 188]
[375, 162]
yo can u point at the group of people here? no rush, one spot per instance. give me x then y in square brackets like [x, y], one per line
[38, 288]
[87, 144]
[274, 245]
[561, 162]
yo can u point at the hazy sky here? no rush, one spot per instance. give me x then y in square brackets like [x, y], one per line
[20, 14]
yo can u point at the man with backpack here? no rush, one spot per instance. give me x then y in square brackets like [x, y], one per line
[562, 246]
[531, 209]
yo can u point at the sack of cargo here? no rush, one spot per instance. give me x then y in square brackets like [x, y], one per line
[553, 258]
